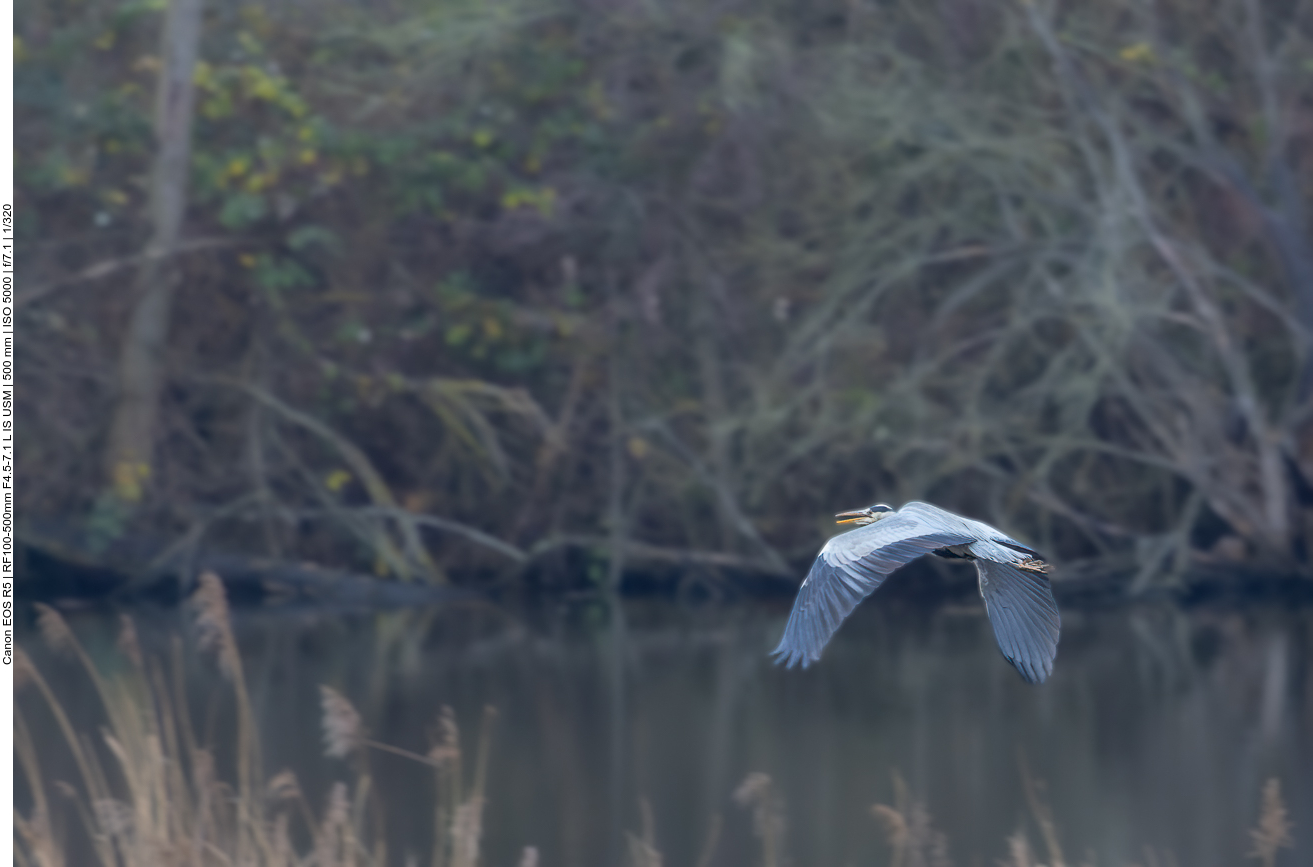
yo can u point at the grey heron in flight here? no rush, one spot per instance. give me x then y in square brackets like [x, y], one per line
[1013, 582]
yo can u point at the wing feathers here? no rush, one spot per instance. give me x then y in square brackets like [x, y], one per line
[1024, 616]
[843, 575]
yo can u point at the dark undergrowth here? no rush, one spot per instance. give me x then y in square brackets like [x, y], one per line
[471, 287]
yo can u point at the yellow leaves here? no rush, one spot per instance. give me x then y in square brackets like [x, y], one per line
[74, 176]
[492, 328]
[596, 99]
[1138, 52]
[129, 480]
[261, 181]
[638, 447]
[115, 197]
[247, 260]
[20, 51]
[277, 143]
[241, 167]
[106, 40]
[482, 138]
[336, 480]
[250, 44]
[543, 199]
[274, 89]
[224, 84]
[260, 84]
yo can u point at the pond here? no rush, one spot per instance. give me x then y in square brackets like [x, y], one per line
[1151, 742]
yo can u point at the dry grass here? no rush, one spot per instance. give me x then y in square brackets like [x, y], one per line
[757, 793]
[148, 792]
[913, 842]
[344, 733]
[1273, 831]
[912, 838]
[642, 848]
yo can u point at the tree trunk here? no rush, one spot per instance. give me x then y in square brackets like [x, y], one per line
[140, 375]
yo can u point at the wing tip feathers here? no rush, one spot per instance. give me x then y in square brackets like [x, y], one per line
[792, 657]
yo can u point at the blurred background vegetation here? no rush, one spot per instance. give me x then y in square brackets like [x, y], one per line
[466, 287]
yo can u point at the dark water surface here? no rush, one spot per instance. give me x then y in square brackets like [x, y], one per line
[1154, 735]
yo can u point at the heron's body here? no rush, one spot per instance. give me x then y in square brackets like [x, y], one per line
[1013, 583]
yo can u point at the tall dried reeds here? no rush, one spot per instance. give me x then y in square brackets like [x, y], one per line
[913, 840]
[149, 793]
[458, 812]
[1039, 809]
[1019, 854]
[213, 623]
[642, 847]
[1273, 831]
[757, 793]
[344, 732]
[214, 634]
[34, 830]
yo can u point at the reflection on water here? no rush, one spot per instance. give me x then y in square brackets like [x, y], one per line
[1157, 729]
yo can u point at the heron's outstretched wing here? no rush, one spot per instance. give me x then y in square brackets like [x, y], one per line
[1024, 615]
[847, 570]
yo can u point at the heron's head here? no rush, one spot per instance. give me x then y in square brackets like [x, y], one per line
[869, 515]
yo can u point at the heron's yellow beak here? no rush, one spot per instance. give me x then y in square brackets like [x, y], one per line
[852, 517]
